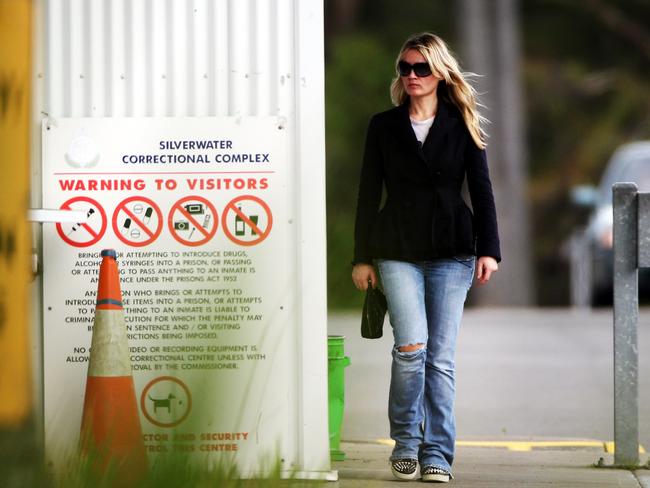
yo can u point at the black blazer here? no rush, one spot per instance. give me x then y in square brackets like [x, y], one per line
[424, 216]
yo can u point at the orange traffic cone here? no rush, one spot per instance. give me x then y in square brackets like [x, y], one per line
[111, 434]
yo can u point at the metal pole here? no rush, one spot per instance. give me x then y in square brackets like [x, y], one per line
[626, 311]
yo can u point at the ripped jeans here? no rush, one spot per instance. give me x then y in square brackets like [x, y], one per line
[425, 306]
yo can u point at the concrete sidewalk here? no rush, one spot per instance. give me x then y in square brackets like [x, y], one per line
[496, 467]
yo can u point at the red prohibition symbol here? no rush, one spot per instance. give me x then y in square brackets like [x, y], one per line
[193, 221]
[91, 231]
[137, 221]
[247, 229]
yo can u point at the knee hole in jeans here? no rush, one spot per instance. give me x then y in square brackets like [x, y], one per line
[410, 347]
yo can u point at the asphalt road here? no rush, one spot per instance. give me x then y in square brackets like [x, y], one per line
[521, 374]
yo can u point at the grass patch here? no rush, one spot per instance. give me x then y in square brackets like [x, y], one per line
[177, 470]
[21, 466]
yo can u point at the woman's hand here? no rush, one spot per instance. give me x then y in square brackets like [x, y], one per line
[362, 274]
[484, 268]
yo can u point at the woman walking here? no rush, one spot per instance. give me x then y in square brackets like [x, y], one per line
[425, 242]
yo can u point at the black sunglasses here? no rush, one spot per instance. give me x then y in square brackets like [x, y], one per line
[420, 69]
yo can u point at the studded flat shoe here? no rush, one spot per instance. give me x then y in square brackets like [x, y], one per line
[434, 474]
[404, 469]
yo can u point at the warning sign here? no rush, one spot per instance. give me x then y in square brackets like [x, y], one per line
[212, 316]
[193, 221]
[247, 220]
[87, 233]
[137, 221]
[166, 401]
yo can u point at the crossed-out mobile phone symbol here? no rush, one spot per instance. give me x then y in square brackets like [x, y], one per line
[193, 220]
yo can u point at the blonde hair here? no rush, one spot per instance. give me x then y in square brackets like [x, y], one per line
[444, 65]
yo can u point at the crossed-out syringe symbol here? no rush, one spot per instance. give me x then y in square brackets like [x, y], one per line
[77, 225]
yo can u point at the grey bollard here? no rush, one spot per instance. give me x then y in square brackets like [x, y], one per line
[626, 312]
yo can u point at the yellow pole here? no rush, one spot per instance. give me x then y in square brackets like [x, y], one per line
[15, 94]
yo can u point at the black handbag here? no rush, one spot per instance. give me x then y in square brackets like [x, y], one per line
[374, 311]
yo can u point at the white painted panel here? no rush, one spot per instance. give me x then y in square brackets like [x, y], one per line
[159, 68]
[179, 56]
[308, 91]
[170, 57]
[221, 89]
[201, 48]
[238, 56]
[77, 47]
[284, 46]
[137, 70]
[54, 72]
[117, 60]
[262, 57]
[97, 69]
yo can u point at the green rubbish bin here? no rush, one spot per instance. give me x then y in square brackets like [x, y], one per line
[337, 361]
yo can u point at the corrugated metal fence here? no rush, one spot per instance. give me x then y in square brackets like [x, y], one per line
[139, 58]
[175, 58]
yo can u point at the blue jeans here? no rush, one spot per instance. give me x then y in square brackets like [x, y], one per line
[425, 306]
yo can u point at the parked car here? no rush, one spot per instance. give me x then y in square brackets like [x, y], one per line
[629, 163]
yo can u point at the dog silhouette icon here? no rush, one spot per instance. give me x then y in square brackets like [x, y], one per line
[162, 403]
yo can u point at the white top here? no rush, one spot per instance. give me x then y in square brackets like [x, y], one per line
[421, 128]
